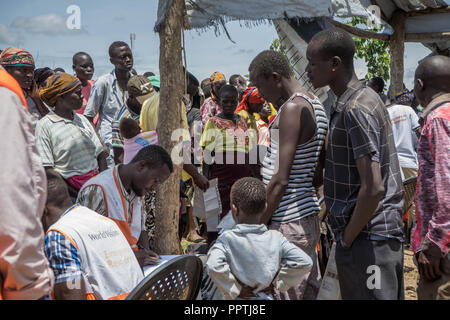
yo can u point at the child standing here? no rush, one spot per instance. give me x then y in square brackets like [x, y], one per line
[226, 144]
[248, 261]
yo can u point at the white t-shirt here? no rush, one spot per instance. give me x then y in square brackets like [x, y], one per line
[404, 121]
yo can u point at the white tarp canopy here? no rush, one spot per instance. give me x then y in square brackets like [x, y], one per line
[214, 13]
[207, 13]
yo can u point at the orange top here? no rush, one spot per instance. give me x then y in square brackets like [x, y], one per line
[7, 81]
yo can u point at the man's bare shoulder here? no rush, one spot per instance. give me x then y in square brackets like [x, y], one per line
[296, 106]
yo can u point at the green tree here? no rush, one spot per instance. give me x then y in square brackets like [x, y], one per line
[277, 46]
[374, 52]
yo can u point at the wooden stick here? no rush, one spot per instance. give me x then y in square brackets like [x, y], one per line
[428, 11]
[432, 36]
[358, 32]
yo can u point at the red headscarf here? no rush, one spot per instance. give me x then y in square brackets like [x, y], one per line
[250, 95]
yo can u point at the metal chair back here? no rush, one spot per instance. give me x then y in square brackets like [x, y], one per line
[177, 279]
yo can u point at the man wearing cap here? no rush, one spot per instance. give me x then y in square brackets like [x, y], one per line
[155, 81]
[19, 63]
[139, 90]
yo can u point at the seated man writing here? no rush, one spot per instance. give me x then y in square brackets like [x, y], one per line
[117, 194]
[89, 255]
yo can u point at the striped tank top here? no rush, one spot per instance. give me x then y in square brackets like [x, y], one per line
[299, 199]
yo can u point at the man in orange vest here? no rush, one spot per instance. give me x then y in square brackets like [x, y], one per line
[89, 255]
[24, 270]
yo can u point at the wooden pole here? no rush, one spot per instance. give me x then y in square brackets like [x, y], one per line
[397, 50]
[427, 36]
[428, 11]
[171, 91]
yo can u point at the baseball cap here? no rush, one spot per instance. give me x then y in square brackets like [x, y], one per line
[140, 88]
[155, 81]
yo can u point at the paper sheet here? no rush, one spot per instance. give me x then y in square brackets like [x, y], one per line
[207, 205]
[227, 223]
[199, 204]
[330, 290]
[163, 259]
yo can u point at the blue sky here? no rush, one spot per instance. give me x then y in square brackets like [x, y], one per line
[39, 26]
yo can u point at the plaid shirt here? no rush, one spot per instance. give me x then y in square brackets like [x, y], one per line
[63, 257]
[433, 181]
[359, 126]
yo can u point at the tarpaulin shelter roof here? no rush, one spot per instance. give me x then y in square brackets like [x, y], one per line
[423, 16]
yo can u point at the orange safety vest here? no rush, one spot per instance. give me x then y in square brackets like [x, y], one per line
[7, 81]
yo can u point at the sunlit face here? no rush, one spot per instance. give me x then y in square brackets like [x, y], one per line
[319, 68]
[23, 75]
[265, 111]
[74, 99]
[122, 58]
[229, 102]
[241, 84]
[216, 86]
[84, 67]
[268, 88]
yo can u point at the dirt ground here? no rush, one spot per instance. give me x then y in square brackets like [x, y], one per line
[410, 276]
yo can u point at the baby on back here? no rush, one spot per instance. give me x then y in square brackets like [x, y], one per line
[134, 139]
[249, 261]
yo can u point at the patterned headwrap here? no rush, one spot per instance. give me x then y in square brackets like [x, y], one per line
[57, 85]
[405, 97]
[216, 76]
[16, 57]
[250, 95]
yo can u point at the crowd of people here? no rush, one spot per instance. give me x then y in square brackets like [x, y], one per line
[82, 163]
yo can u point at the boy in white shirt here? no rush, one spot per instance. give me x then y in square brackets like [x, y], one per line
[249, 261]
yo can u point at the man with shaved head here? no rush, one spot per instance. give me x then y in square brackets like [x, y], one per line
[109, 93]
[431, 234]
[362, 185]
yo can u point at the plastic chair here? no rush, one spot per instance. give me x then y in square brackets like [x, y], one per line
[177, 279]
[409, 185]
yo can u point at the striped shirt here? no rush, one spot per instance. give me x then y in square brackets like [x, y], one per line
[299, 199]
[71, 147]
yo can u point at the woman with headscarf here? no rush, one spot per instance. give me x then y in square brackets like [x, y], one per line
[67, 141]
[211, 105]
[19, 63]
[250, 104]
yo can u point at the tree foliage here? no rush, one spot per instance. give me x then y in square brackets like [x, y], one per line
[277, 46]
[374, 52]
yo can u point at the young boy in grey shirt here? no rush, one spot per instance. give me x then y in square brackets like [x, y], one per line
[248, 261]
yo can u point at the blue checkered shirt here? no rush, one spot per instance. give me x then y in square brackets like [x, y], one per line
[63, 257]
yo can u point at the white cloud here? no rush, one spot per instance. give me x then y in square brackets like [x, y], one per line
[7, 36]
[49, 24]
